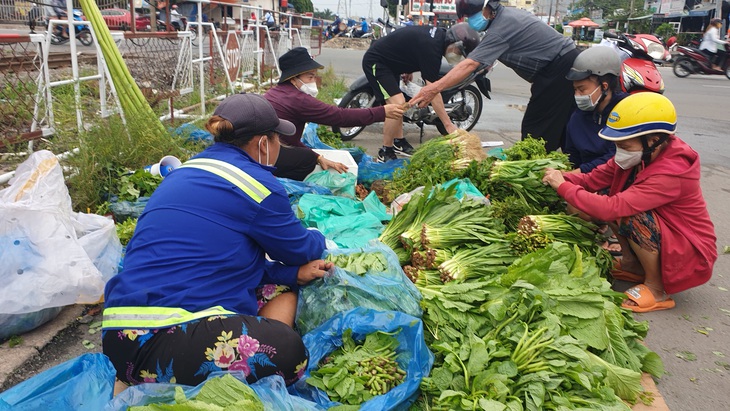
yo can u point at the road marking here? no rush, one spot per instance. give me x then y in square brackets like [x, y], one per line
[707, 85]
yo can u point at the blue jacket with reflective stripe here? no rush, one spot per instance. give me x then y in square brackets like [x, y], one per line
[201, 241]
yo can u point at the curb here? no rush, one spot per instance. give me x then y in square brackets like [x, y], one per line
[33, 342]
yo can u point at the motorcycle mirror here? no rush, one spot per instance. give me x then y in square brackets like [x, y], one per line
[384, 3]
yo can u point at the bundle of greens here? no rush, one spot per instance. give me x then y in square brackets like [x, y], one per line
[523, 179]
[220, 393]
[532, 149]
[477, 263]
[125, 230]
[439, 160]
[355, 373]
[360, 262]
[511, 209]
[560, 227]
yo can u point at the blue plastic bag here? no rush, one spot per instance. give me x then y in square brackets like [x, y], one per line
[310, 138]
[83, 383]
[271, 390]
[368, 170]
[194, 133]
[341, 290]
[413, 355]
[296, 189]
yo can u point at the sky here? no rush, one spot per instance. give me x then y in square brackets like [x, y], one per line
[359, 7]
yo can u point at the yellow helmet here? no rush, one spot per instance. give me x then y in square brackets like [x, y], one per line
[640, 114]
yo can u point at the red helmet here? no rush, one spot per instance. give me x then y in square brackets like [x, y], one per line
[465, 35]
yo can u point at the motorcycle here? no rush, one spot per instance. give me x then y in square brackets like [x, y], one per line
[82, 32]
[463, 102]
[638, 70]
[652, 45]
[692, 60]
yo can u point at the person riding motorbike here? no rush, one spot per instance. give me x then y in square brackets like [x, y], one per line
[59, 7]
[404, 51]
[364, 29]
[534, 50]
[711, 44]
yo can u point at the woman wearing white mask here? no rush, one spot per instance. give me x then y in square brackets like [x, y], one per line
[294, 100]
[654, 201]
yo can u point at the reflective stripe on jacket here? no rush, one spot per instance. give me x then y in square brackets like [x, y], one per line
[257, 191]
[154, 317]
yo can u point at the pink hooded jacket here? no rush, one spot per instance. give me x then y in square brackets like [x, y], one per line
[670, 186]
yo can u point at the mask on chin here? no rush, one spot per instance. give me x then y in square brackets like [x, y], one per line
[627, 159]
[308, 88]
[454, 58]
[478, 22]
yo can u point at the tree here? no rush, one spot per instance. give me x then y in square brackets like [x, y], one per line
[302, 6]
[325, 14]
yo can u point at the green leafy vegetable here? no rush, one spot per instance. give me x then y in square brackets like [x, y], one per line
[217, 394]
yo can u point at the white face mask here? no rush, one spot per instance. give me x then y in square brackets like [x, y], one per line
[308, 88]
[585, 103]
[627, 159]
[267, 151]
[454, 58]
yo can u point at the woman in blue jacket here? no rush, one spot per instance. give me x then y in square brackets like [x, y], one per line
[198, 293]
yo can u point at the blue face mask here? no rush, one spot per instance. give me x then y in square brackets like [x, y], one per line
[478, 22]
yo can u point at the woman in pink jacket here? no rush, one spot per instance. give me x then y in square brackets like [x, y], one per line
[654, 200]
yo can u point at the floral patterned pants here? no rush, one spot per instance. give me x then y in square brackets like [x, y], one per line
[187, 353]
[643, 229]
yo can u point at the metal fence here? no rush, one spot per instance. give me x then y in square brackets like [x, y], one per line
[178, 72]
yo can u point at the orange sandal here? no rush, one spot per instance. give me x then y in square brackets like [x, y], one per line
[645, 301]
[618, 273]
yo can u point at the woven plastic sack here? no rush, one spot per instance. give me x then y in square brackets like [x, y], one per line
[341, 290]
[83, 383]
[413, 356]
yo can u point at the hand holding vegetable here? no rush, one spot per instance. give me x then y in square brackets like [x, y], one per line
[553, 177]
[394, 111]
[312, 270]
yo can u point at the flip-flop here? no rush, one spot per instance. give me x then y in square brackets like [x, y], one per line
[610, 240]
[645, 301]
[619, 273]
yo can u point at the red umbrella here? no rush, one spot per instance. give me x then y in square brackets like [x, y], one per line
[584, 22]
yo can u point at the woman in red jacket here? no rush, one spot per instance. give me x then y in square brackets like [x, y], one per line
[654, 200]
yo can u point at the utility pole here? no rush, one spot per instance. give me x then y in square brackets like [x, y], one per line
[550, 13]
[631, 13]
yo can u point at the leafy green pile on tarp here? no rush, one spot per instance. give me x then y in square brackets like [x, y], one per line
[549, 333]
[224, 393]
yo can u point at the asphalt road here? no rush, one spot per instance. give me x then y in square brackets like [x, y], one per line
[693, 339]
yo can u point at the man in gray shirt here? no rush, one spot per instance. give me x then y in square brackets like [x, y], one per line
[534, 50]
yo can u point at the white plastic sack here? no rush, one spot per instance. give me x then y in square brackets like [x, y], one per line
[47, 252]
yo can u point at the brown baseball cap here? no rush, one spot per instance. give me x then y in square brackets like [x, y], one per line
[251, 115]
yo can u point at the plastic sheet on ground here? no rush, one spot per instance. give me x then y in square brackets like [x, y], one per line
[271, 390]
[83, 383]
[413, 355]
[347, 222]
[341, 290]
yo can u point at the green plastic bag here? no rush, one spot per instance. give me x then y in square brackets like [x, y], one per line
[352, 231]
[375, 207]
[341, 184]
[314, 209]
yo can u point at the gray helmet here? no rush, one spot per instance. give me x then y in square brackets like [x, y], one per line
[596, 61]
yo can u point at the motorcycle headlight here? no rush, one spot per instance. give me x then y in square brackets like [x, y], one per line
[656, 51]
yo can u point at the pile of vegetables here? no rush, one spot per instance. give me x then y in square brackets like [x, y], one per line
[219, 393]
[548, 334]
[355, 373]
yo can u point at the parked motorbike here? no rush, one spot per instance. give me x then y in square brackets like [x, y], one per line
[638, 71]
[652, 45]
[692, 60]
[463, 102]
[82, 32]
